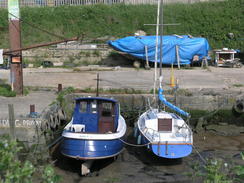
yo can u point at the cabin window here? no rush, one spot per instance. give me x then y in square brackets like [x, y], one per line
[94, 107]
[83, 106]
[165, 124]
[107, 109]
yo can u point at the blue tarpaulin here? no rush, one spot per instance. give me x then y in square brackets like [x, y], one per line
[188, 48]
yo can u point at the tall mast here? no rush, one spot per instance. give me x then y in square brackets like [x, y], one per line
[161, 38]
[156, 51]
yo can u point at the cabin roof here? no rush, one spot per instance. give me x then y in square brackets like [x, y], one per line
[95, 98]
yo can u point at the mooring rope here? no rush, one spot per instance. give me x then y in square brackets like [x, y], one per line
[205, 162]
[55, 142]
[134, 145]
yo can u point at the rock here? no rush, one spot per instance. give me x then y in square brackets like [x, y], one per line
[200, 123]
[58, 63]
[117, 68]
[137, 64]
[30, 65]
[140, 33]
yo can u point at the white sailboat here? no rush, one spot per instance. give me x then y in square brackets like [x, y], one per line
[167, 134]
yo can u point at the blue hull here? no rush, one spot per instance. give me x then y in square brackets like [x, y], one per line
[170, 151]
[91, 149]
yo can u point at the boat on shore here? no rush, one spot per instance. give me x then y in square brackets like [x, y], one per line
[166, 134]
[94, 131]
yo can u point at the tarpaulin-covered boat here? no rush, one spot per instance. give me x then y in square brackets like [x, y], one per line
[143, 47]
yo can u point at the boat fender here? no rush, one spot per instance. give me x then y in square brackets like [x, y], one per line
[139, 139]
[135, 132]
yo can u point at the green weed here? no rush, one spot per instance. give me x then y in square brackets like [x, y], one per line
[5, 90]
[14, 170]
[238, 85]
[218, 171]
[213, 20]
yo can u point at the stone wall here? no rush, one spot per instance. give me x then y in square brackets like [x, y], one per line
[85, 55]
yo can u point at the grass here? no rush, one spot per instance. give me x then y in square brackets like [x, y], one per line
[238, 85]
[5, 89]
[213, 20]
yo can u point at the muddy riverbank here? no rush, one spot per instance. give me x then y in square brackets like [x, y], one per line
[136, 164]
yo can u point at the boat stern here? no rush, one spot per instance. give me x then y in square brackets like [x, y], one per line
[171, 151]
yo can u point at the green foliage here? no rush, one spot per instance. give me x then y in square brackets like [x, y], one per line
[64, 92]
[238, 85]
[213, 20]
[239, 170]
[26, 91]
[218, 171]
[49, 175]
[11, 169]
[14, 170]
[5, 90]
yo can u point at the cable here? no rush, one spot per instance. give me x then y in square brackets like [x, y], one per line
[38, 28]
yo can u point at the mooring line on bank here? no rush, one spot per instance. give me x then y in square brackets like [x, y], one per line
[55, 142]
[198, 153]
[134, 145]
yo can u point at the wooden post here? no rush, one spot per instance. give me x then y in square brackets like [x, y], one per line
[11, 121]
[177, 55]
[147, 62]
[60, 87]
[32, 108]
[97, 94]
[15, 43]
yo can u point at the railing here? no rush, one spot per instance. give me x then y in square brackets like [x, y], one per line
[43, 3]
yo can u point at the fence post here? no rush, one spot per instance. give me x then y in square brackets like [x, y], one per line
[11, 121]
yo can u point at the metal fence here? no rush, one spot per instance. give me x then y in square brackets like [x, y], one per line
[43, 3]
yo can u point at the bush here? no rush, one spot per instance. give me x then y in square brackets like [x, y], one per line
[14, 170]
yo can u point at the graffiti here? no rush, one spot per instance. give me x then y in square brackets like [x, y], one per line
[21, 122]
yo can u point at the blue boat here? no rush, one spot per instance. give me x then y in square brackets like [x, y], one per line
[189, 49]
[94, 131]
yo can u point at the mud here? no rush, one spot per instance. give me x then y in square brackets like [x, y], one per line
[136, 164]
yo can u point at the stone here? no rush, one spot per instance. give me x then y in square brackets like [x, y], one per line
[58, 63]
[30, 65]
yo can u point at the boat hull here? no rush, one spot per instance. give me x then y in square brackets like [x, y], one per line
[171, 151]
[168, 150]
[90, 149]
